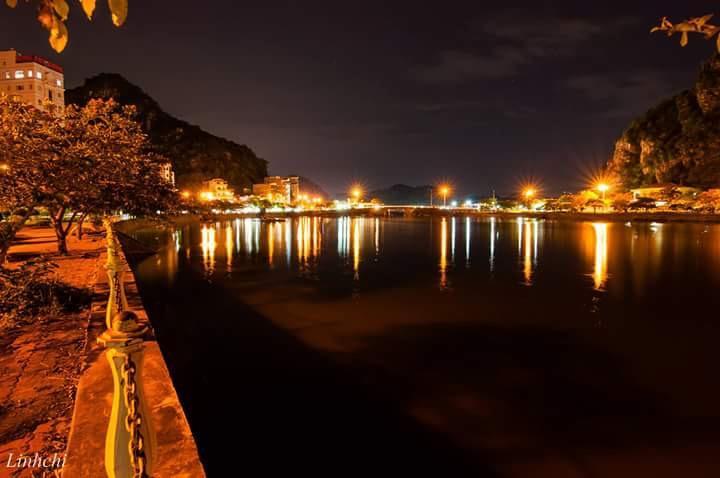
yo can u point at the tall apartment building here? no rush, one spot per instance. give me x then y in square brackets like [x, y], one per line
[32, 79]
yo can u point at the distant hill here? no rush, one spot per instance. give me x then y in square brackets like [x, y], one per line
[311, 188]
[403, 194]
[678, 141]
[196, 155]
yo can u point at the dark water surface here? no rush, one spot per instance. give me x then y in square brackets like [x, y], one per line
[457, 346]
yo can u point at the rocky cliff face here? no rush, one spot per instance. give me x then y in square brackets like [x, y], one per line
[196, 155]
[678, 141]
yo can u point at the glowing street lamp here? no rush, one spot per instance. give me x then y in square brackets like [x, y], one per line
[444, 191]
[186, 194]
[528, 194]
[4, 167]
[356, 193]
[603, 188]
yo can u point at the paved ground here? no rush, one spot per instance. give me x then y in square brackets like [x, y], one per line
[40, 362]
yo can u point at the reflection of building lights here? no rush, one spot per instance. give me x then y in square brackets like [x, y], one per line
[601, 250]
[208, 246]
[527, 262]
[452, 240]
[229, 246]
[443, 253]
[492, 243]
[356, 247]
[467, 241]
[4, 167]
[271, 242]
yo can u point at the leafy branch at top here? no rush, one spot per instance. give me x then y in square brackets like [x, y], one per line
[694, 25]
[52, 15]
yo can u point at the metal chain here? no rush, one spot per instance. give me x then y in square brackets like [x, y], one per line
[133, 421]
[118, 293]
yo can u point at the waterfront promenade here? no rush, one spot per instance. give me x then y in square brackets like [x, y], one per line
[41, 360]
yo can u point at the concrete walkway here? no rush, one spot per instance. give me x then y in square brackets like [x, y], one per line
[41, 360]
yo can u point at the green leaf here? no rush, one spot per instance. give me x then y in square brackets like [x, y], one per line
[119, 10]
[88, 7]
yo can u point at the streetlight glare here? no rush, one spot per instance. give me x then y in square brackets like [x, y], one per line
[444, 191]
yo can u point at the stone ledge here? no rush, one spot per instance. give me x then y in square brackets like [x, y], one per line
[177, 454]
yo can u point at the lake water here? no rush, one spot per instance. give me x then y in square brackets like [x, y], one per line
[459, 346]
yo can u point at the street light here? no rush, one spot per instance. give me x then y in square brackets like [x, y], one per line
[444, 191]
[529, 193]
[356, 193]
[603, 188]
[4, 167]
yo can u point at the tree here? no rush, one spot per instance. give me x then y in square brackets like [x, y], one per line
[709, 200]
[693, 25]
[595, 204]
[620, 202]
[52, 15]
[91, 160]
[24, 132]
[104, 165]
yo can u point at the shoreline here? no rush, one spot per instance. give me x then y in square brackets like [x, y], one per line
[648, 217]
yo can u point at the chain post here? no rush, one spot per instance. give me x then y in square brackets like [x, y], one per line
[130, 441]
[116, 268]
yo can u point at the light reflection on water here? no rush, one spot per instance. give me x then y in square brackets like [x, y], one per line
[600, 273]
[611, 253]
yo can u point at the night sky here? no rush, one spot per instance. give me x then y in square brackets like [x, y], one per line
[483, 94]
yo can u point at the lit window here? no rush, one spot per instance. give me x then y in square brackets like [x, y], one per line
[7, 75]
[30, 74]
[59, 83]
[38, 75]
[19, 74]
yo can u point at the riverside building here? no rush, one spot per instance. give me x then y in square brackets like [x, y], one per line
[32, 80]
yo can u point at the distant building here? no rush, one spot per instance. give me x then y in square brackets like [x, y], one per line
[656, 191]
[282, 189]
[167, 173]
[217, 190]
[32, 80]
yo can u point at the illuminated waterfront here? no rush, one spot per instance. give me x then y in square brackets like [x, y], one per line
[505, 336]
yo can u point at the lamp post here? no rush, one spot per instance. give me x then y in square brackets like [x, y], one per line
[603, 188]
[356, 194]
[444, 190]
[529, 193]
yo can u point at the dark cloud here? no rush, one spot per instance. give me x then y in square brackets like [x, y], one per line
[622, 94]
[516, 41]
